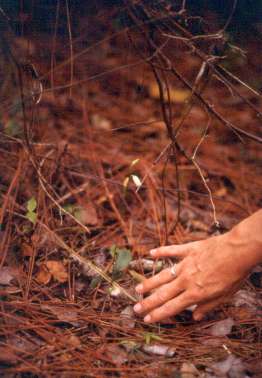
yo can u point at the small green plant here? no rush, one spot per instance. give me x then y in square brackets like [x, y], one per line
[134, 177]
[75, 210]
[31, 206]
[122, 258]
[149, 337]
[95, 282]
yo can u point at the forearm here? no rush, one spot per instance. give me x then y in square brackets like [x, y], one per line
[247, 238]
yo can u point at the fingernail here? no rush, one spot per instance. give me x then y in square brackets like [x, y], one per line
[137, 307]
[147, 319]
[198, 317]
[139, 288]
[153, 252]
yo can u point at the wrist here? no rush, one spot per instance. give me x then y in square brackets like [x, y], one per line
[247, 238]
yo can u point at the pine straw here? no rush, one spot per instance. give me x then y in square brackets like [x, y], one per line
[83, 144]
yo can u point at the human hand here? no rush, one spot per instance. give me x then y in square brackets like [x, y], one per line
[209, 272]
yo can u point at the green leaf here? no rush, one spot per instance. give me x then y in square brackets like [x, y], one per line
[31, 216]
[149, 337]
[113, 250]
[77, 212]
[95, 282]
[130, 345]
[69, 208]
[31, 205]
[123, 259]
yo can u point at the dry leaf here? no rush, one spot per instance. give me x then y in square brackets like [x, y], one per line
[43, 276]
[188, 370]
[127, 320]
[221, 192]
[230, 367]
[27, 250]
[73, 341]
[6, 275]
[57, 269]
[247, 299]
[147, 265]
[159, 350]
[87, 214]
[177, 95]
[100, 122]
[117, 355]
[65, 314]
[221, 328]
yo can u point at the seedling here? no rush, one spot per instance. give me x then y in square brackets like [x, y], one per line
[31, 206]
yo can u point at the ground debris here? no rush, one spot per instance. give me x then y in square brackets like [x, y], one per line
[232, 367]
[159, 350]
[57, 270]
[221, 328]
[249, 299]
[99, 150]
[7, 275]
[127, 318]
[188, 370]
[116, 354]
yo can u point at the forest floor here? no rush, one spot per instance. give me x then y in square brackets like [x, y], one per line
[84, 179]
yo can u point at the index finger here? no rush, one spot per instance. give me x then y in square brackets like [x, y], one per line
[179, 251]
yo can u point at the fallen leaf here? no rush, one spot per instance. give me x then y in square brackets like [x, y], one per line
[221, 328]
[64, 314]
[188, 370]
[247, 299]
[221, 192]
[57, 269]
[6, 275]
[127, 320]
[177, 95]
[23, 343]
[43, 275]
[100, 122]
[147, 265]
[159, 350]
[27, 250]
[117, 355]
[230, 367]
[86, 214]
[73, 341]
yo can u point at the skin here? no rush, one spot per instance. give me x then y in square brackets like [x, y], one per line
[207, 274]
